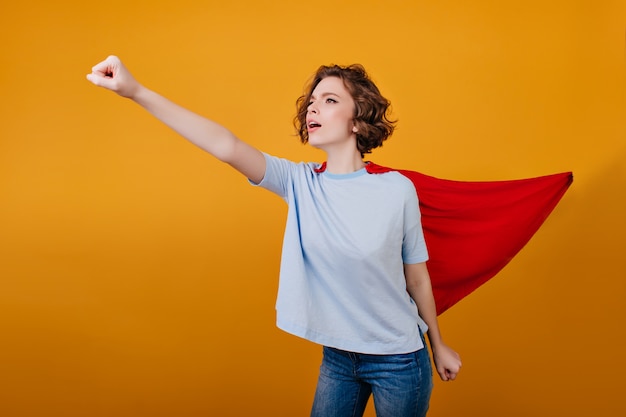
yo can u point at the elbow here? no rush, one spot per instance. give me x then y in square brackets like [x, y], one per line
[225, 148]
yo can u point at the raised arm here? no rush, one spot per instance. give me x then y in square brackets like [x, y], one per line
[447, 361]
[206, 134]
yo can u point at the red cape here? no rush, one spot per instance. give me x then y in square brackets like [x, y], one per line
[473, 229]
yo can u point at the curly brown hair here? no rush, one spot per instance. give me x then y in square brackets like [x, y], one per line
[371, 111]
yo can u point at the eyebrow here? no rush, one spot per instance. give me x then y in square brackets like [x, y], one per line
[326, 95]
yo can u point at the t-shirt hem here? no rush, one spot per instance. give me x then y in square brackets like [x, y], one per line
[412, 344]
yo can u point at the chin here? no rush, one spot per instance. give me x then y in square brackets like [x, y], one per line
[316, 143]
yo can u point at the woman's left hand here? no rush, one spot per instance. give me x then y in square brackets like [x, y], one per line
[447, 362]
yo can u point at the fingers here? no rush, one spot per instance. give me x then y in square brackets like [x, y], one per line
[97, 79]
[447, 375]
[103, 81]
[110, 67]
[103, 73]
[112, 75]
[444, 374]
[449, 371]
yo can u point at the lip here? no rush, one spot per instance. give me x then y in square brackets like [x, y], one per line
[310, 128]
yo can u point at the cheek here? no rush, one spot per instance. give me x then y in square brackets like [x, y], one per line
[345, 115]
[352, 123]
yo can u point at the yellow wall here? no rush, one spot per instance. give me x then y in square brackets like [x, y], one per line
[138, 276]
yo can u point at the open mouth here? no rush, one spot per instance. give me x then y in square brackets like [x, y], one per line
[313, 125]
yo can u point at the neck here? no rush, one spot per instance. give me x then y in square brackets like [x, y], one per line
[344, 163]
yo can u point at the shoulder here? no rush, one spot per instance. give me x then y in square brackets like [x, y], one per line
[283, 169]
[394, 180]
[396, 187]
[284, 163]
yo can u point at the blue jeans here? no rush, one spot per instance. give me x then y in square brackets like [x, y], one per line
[401, 384]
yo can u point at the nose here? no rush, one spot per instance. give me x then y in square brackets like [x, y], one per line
[312, 108]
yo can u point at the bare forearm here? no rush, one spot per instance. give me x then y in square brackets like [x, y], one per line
[202, 132]
[447, 361]
[208, 135]
[421, 292]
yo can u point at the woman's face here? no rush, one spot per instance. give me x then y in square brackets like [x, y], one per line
[330, 115]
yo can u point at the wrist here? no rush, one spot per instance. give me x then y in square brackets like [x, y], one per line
[139, 94]
[435, 341]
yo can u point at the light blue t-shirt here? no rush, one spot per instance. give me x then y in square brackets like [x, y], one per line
[346, 239]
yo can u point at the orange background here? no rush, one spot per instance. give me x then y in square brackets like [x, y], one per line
[138, 275]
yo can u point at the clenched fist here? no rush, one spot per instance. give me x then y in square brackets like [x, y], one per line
[113, 75]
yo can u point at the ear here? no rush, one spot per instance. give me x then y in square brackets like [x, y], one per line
[354, 129]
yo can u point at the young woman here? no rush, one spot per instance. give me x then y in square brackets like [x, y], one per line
[353, 271]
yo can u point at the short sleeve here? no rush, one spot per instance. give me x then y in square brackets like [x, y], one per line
[278, 175]
[414, 245]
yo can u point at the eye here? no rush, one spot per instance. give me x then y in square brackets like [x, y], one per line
[331, 100]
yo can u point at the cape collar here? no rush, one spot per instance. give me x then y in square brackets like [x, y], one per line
[370, 167]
